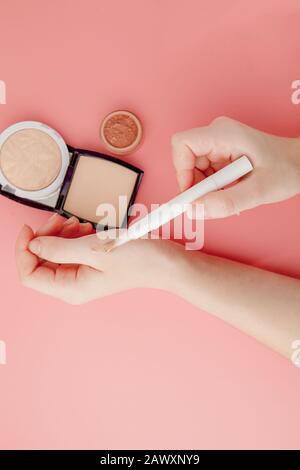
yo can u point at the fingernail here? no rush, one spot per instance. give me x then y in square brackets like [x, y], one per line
[53, 217]
[70, 221]
[35, 246]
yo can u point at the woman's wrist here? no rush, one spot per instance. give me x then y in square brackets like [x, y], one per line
[165, 265]
[175, 267]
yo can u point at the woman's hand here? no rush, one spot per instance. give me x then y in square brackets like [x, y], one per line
[64, 259]
[219, 286]
[199, 152]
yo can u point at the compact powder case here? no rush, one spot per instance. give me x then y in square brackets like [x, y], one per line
[38, 169]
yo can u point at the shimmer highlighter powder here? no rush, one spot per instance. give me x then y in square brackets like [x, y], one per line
[121, 132]
[30, 159]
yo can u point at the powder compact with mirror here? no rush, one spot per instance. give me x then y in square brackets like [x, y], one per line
[38, 169]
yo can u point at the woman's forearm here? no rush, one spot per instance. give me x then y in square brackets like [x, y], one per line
[262, 304]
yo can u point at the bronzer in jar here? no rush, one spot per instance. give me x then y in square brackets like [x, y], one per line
[121, 132]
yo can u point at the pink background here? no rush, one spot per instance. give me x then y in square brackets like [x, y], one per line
[144, 369]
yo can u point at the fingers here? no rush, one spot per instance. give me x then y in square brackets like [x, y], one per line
[204, 148]
[71, 283]
[85, 229]
[186, 147]
[31, 274]
[69, 251]
[198, 153]
[26, 260]
[243, 195]
[58, 226]
[184, 162]
[61, 227]
[53, 225]
[72, 228]
[69, 229]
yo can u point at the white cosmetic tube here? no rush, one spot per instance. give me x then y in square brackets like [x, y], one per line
[179, 204]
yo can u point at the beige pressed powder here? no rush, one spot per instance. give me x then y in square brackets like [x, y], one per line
[121, 132]
[30, 159]
[97, 181]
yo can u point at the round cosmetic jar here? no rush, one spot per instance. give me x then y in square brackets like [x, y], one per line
[121, 132]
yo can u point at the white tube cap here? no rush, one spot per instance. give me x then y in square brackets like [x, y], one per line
[232, 172]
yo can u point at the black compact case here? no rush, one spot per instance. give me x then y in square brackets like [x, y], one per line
[81, 153]
[75, 154]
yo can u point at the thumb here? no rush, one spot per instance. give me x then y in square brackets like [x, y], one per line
[224, 203]
[83, 250]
